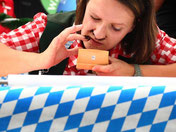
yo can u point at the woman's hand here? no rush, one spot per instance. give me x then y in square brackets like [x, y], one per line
[115, 68]
[56, 52]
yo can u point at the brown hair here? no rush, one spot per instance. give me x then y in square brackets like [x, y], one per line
[141, 41]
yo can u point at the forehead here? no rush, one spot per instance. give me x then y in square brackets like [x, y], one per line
[110, 9]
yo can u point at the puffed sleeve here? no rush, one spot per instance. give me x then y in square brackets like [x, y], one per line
[165, 49]
[26, 37]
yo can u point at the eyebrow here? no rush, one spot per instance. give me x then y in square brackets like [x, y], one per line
[118, 24]
[92, 13]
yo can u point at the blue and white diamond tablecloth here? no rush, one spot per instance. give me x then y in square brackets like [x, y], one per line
[97, 107]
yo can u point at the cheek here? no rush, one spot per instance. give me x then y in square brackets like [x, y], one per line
[118, 37]
[115, 39]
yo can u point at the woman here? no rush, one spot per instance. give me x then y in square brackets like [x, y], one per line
[126, 28]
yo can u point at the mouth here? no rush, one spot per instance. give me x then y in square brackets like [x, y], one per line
[87, 37]
[92, 41]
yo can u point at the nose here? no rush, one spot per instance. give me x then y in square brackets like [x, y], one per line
[100, 32]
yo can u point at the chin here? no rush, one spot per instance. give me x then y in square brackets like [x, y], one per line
[92, 47]
[88, 45]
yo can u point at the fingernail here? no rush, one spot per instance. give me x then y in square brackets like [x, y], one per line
[79, 25]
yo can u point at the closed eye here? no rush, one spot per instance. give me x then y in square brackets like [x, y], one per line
[94, 18]
[116, 29]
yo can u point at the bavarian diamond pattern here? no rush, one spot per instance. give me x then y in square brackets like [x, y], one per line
[137, 106]
[153, 102]
[3, 93]
[28, 92]
[64, 109]
[20, 107]
[170, 127]
[54, 98]
[13, 95]
[86, 121]
[95, 102]
[105, 114]
[84, 92]
[126, 95]
[49, 111]
[29, 128]
[111, 98]
[69, 95]
[79, 105]
[88, 108]
[32, 117]
[43, 126]
[156, 90]
[168, 99]
[147, 118]
[17, 120]
[38, 101]
[121, 110]
[7, 108]
[173, 113]
[158, 127]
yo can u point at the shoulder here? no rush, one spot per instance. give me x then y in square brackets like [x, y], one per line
[163, 38]
[62, 18]
[40, 17]
[165, 49]
[164, 43]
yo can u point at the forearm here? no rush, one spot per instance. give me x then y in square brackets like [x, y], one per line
[13, 61]
[159, 70]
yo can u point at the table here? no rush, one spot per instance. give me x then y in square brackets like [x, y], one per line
[85, 104]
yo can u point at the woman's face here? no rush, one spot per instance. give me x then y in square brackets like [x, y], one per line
[106, 22]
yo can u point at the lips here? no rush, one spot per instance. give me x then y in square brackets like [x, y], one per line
[92, 41]
[95, 43]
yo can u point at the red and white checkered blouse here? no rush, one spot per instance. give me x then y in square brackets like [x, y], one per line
[26, 38]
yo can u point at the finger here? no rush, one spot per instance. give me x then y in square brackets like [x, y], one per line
[62, 37]
[102, 68]
[101, 74]
[73, 51]
[70, 30]
[72, 37]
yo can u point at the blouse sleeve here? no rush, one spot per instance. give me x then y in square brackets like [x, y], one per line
[26, 37]
[165, 49]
